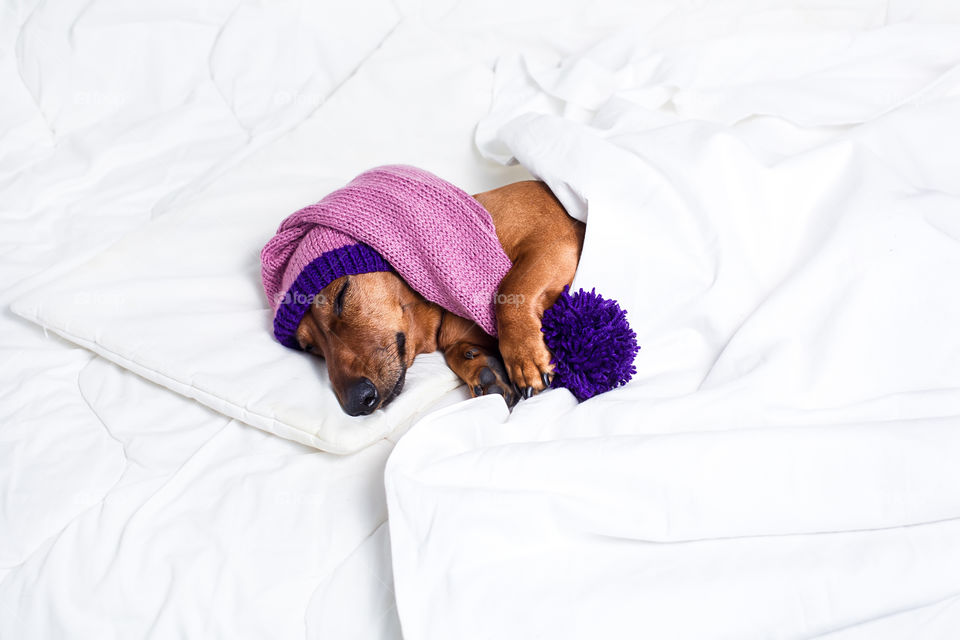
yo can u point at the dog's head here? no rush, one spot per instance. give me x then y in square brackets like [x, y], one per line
[368, 328]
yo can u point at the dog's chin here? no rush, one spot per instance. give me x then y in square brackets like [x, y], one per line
[397, 388]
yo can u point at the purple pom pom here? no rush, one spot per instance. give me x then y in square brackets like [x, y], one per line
[592, 343]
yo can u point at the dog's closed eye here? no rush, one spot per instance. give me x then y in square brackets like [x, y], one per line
[338, 301]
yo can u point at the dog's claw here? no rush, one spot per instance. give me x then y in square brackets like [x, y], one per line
[528, 362]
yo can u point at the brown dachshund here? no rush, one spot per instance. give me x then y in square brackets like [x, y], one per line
[370, 327]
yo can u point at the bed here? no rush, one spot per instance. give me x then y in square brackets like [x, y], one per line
[783, 465]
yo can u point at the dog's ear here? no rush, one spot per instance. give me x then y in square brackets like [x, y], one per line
[308, 336]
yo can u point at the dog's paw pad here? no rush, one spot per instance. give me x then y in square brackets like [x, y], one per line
[487, 376]
[492, 379]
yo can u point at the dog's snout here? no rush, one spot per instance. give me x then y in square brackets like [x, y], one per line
[362, 398]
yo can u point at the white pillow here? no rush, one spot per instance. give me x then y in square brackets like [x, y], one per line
[180, 302]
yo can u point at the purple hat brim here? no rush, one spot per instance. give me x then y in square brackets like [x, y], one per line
[352, 259]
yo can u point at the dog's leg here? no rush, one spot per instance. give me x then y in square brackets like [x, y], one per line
[473, 356]
[544, 244]
[532, 286]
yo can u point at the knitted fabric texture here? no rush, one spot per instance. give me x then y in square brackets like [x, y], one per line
[435, 236]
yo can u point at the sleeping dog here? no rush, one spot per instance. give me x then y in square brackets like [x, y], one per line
[370, 326]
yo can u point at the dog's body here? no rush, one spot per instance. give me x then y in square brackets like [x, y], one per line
[370, 327]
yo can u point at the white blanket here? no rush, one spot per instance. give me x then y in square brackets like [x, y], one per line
[778, 213]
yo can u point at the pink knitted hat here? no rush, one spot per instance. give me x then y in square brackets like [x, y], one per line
[439, 240]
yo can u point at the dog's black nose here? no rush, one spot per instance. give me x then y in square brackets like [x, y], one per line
[362, 398]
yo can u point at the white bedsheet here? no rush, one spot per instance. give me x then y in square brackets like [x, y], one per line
[128, 511]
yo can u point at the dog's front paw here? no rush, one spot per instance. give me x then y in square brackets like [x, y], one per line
[483, 372]
[528, 364]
